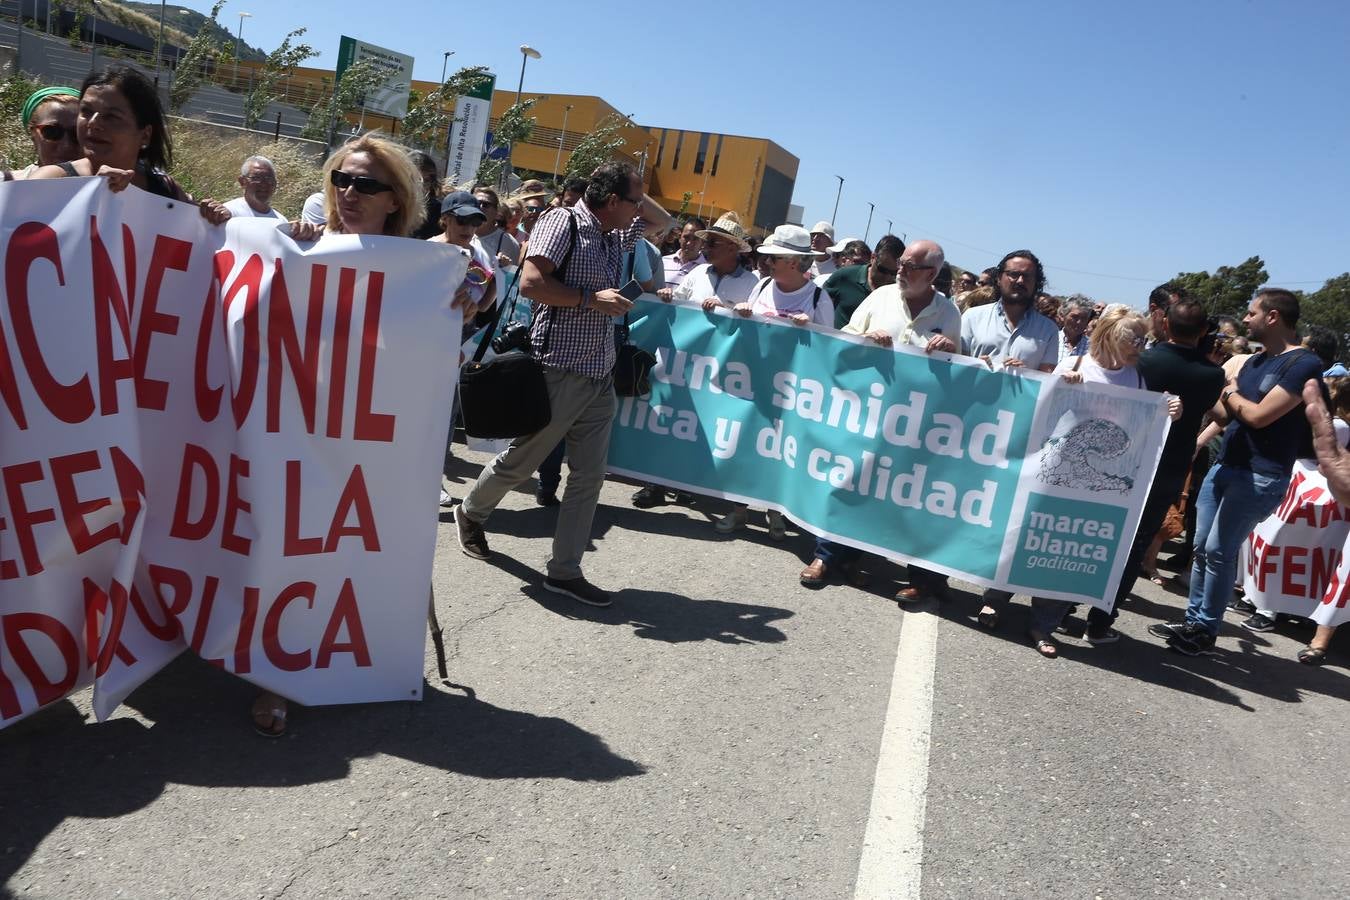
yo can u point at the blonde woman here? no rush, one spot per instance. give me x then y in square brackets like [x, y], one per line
[1113, 352]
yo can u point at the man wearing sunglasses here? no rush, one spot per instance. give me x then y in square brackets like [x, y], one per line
[851, 285]
[258, 178]
[573, 275]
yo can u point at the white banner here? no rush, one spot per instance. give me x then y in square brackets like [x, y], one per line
[468, 132]
[1296, 560]
[211, 438]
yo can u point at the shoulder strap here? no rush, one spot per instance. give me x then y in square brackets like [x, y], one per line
[68, 168]
[1077, 361]
[759, 289]
[815, 298]
[491, 326]
[561, 272]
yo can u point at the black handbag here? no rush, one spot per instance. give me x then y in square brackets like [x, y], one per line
[505, 397]
[632, 368]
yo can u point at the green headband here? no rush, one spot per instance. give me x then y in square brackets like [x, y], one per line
[36, 99]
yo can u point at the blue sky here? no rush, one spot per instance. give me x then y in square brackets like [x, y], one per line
[1132, 140]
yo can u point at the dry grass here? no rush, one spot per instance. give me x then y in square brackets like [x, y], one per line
[206, 162]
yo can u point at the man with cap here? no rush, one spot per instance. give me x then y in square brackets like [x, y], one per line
[822, 238]
[847, 252]
[679, 264]
[850, 285]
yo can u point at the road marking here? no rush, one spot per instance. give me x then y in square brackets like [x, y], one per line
[892, 855]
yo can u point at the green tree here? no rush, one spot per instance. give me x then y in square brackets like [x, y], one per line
[280, 63]
[1329, 306]
[359, 79]
[429, 115]
[684, 203]
[201, 54]
[595, 149]
[1229, 289]
[514, 127]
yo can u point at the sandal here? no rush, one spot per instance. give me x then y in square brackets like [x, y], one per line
[988, 618]
[1156, 577]
[269, 715]
[1312, 656]
[1047, 648]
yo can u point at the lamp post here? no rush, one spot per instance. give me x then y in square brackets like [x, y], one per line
[557, 160]
[159, 45]
[237, 40]
[836, 199]
[889, 224]
[871, 208]
[445, 61]
[526, 54]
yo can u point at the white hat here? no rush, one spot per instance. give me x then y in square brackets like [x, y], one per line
[789, 240]
[823, 227]
[839, 247]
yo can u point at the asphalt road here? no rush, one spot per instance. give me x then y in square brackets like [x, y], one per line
[714, 734]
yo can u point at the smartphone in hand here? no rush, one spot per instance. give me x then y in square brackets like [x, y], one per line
[631, 291]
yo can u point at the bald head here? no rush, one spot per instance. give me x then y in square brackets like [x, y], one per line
[919, 265]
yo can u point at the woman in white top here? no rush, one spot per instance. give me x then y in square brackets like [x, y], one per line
[788, 293]
[1113, 352]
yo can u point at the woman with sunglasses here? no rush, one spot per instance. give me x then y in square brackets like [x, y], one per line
[49, 115]
[371, 186]
[460, 219]
[122, 132]
[1112, 357]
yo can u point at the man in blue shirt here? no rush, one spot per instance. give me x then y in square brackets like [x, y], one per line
[1266, 432]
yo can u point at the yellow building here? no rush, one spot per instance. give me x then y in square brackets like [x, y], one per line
[561, 121]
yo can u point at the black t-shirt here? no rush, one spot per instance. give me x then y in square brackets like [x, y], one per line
[1186, 372]
[1272, 450]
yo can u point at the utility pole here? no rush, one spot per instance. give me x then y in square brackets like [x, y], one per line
[836, 199]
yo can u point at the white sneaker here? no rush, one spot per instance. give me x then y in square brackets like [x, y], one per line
[733, 521]
[446, 499]
[777, 527]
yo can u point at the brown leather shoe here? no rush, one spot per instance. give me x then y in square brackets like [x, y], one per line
[908, 595]
[814, 574]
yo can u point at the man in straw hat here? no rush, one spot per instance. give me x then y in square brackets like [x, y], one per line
[533, 196]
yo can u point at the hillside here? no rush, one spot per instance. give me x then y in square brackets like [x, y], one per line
[144, 17]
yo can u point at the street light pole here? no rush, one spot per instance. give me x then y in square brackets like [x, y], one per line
[889, 224]
[237, 40]
[159, 47]
[557, 160]
[445, 60]
[871, 208]
[836, 199]
[526, 53]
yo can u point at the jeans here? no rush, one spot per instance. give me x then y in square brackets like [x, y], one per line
[582, 412]
[836, 555]
[1228, 506]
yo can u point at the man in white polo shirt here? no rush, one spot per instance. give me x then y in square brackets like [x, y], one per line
[258, 178]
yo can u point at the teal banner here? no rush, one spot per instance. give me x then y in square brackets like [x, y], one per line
[1008, 480]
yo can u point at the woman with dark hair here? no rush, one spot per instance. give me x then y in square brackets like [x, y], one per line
[121, 129]
[431, 190]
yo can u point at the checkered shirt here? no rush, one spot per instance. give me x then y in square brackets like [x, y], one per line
[568, 337]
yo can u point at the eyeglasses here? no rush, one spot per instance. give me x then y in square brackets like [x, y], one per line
[637, 202]
[907, 266]
[486, 204]
[55, 132]
[883, 270]
[1017, 276]
[262, 179]
[534, 209]
[363, 184]
[1138, 341]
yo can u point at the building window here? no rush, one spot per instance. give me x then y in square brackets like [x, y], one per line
[679, 143]
[660, 149]
[717, 154]
[702, 153]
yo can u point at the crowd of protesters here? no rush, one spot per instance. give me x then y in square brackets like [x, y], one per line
[1241, 405]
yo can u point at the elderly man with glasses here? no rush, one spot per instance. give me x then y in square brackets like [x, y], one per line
[258, 178]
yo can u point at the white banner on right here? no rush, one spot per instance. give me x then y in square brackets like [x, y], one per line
[1296, 561]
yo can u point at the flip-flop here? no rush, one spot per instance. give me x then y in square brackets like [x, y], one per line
[1047, 648]
[1312, 656]
[269, 716]
[987, 618]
